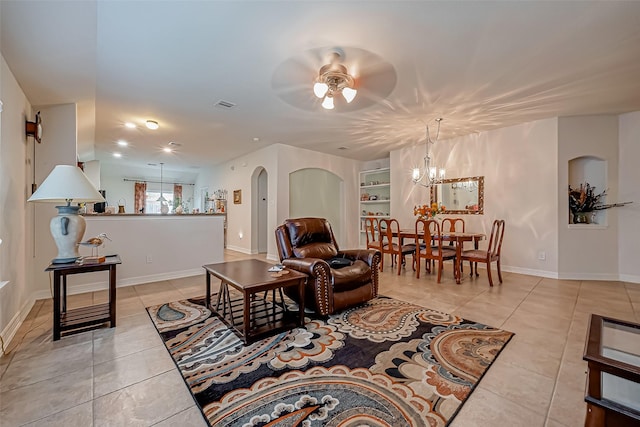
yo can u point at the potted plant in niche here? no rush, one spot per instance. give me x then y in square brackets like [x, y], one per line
[583, 201]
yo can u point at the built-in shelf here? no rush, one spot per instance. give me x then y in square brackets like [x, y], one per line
[374, 183]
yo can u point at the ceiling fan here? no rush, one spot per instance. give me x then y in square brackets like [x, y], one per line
[362, 71]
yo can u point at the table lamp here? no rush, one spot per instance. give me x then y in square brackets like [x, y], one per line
[67, 183]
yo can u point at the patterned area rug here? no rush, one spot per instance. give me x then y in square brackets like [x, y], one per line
[387, 363]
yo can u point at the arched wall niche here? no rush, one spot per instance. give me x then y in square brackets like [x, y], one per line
[317, 192]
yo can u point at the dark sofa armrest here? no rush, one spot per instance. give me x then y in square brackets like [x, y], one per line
[319, 283]
[309, 266]
[366, 255]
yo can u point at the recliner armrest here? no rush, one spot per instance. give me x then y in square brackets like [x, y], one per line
[308, 266]
[366, 255]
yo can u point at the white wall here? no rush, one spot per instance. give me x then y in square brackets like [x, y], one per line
[519, 165]
[15, 296]
[588, 252]
[58, 148]
[629, 190]
[279, 161]
[151, 248]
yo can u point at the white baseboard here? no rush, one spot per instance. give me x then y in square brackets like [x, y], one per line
[14, 324]
[527, 271]
[239, 249]
[272, 257]
[629, 278]
[612, 277]
[102, 285]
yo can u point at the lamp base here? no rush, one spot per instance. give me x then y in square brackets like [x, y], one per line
[67, 229]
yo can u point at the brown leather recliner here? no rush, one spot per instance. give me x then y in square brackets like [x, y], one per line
[307, 245]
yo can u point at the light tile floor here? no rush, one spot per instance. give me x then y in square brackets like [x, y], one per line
[124, 376]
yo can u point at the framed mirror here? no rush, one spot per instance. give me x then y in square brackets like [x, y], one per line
[460, 195]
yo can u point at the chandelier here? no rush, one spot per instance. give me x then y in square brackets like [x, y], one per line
[430, 174]
[333, 79]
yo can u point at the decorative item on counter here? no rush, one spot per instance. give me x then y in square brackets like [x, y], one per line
[428, 211]
[584, 201]
[121, 204]
[220, 194]
[179, 210]
[110, 210]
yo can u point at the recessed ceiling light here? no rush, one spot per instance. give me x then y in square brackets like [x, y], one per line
[174, 144]
[118, 155]
[152, 124]
[130, 125]
[256, 139]
[123, 143]
[167, 150]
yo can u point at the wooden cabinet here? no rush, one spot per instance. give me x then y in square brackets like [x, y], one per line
[375, 196]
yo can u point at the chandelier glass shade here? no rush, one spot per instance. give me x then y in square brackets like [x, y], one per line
[334, 79]
[429, 174]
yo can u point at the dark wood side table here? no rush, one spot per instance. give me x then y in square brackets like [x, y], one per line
[251, 316]
[612, 352]
[66, 320]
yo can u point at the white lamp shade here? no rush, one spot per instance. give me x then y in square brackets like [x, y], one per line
[320, 89]
[66, 183]
[349, 94]
[328, 103]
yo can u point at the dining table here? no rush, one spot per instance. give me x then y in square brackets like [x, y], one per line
[459, 237]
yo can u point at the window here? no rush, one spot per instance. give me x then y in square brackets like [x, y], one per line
[152, 205]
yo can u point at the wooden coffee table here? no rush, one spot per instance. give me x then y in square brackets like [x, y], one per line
[248, 314]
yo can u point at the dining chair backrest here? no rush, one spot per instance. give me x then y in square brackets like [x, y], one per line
[452, 225]
[421, 236]
[495, 241]
[388, 227]
[372, 231]
[430, 234]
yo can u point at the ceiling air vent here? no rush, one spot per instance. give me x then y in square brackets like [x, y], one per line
[225, 104]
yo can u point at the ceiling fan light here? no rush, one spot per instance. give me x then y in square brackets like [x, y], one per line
[327, 104]
[349, 94]
[320, 89]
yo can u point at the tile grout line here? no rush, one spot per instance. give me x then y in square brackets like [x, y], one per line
[564, 350]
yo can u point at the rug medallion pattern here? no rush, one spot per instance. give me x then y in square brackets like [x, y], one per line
[386, 363]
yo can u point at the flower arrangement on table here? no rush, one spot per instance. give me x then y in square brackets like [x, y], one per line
[428, 211]
[584, 200]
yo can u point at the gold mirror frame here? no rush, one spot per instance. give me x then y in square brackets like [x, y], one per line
[478, 179]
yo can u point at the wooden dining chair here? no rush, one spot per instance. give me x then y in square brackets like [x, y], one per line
[431, 233]
[390, 229]
[372, 233]
[492, 253]
[453, 225]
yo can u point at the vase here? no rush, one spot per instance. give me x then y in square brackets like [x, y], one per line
[581, 218]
